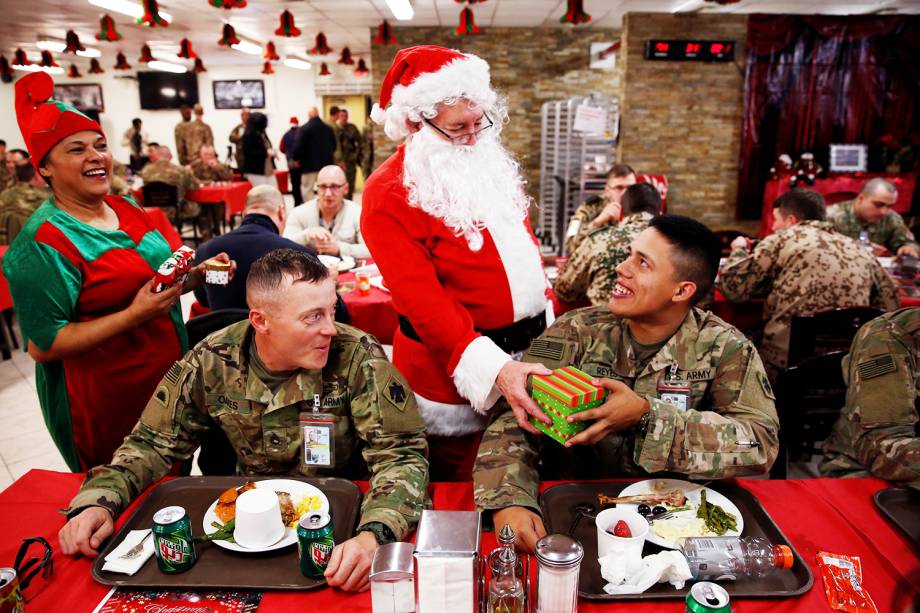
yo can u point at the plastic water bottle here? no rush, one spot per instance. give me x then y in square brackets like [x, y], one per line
[729, 557]
[864, 241]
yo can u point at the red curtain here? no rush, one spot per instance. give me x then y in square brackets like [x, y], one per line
[811, 81]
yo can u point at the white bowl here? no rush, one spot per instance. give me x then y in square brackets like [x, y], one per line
[609, 543]
[258, 519]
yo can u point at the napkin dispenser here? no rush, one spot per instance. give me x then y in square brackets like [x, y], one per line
[392, 581]
[447, 562]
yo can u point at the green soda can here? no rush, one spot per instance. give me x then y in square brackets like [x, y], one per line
[172, 540]
[314, 544]
[706, 597]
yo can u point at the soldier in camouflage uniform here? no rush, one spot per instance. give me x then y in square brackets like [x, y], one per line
[191, 136]
[876, 434]
[207, 168]
[591, 269]
[367, 148]
[872, 212]
[252, 380]
[161, 169]
[806, 266]
[599, 211]
[688, 391]
[17, 203]
[350, 143]
[236, 137]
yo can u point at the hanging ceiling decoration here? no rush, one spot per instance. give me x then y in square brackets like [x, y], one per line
[287, 27]
[185, 50]
[467, 23]
[73, 42]
[320, 48]
[270, 54]
[324, 70]
[361, 69]
[121, 62]
[73, 72]
[151, 16]
[385, 34]
[345, 58]
[469, 1]
[94, 67]
[6, 71]
[20, 59]
[146, 55]
[228, 4]
[199, 66]
[107, 31]
[575, 13]
[48, 60]
[267, 68]
[229, 36]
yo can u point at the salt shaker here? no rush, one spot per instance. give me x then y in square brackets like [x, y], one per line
[558, 562]
[392, 579]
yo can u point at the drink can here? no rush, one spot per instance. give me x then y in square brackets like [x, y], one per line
[707, 597]
[172, 540]
[10, 596]
[314, 543]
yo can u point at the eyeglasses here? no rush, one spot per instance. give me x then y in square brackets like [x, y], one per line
[460, 138]
[331, 187]
[45, 565]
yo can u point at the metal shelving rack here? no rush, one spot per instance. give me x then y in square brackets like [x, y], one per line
[573, 165]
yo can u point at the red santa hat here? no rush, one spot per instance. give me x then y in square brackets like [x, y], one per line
[420, 77]
[294, 120]
[45, 122]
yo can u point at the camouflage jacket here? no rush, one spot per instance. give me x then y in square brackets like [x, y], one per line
[890, 231]
[350, 142]
[804, 269]
[119, 186]
[580, 225]
[203, 172]
[367, 148]
[17, 203]
[172, 174]
[876, 434]
[337, 131]
[236, 137]
[378, 431]
[590, 270]
[712, 410]
[7, 180]
[190, 137]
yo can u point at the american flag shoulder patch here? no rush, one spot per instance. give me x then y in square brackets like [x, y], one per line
[876, 367]
[172, 375]
[547, 349]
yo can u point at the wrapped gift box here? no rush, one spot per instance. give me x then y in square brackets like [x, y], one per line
[566, 391]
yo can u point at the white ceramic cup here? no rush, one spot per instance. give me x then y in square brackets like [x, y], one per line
[258, 519]
[608, 543]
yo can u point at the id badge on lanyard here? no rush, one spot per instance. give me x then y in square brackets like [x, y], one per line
[673, 390]
[318, 431]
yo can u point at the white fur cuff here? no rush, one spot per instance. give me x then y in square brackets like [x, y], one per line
[475, 374]
[442, 419]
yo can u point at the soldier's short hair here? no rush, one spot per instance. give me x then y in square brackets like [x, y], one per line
[333, 111]
[154, 144]
[698, 251]
[802, 202]
[25, 154]
[268, 272]
[620, 170]
[641, 198]
[879, 184]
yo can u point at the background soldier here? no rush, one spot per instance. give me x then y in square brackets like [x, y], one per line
[17, 203]
[207, 168]
[236, 137]
[333, 122]
[7, 178]
[350, 144]
[291, 348]
[161, 169]
[876, 434]
[872, 212]
[599, 211]
[688, 391]
[191, 136]
[367, 148]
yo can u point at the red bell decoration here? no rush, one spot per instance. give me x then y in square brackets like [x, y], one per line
[73, 43]
[121, 62]
[287, 27]
[467, 23]
[345, 58]
[385, 34]
[361, 69]
[94, 67]
[107, 31]
[185, 50]
[151, 16]
[73, 72]
[229, 36]
[267, 68]
[575, 13]
[6, 71]
[199, 66]
[146, 55]
[320, 48]
[20, 59]
[469, 1]
[270, 54]
[47, 60]
[228, 4]
[324, 70]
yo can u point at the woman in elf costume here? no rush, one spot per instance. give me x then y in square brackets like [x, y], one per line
[80, 274]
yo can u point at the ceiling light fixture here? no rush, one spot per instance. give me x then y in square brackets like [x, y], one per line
[126, 7]
[90, 52]
[401, 9]
[293, 62]
[247, 47]
[167, 66]
[37, 68]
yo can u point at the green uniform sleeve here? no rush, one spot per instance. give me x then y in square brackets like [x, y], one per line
[899, 234]
[745, 276]
[572, 283]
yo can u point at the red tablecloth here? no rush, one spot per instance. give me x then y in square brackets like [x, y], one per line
[372, 312]
[281, 176]
[818, 514]
[232, 194]
[6, 300]
[837, 187]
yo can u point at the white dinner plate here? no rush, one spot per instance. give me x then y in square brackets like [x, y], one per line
[692, 492]
[297, 490]
[338, 263]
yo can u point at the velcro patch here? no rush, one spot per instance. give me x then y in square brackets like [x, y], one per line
[876, 367]
[172, 375]
[547, 349]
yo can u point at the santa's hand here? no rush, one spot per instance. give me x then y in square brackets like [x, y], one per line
[512, 381]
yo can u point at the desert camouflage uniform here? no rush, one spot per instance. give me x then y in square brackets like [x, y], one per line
[203, 172]
[580, 225]
[378, 432]
[17, 204]
[891, 232]
[171, 174]
[728, 426]
[804, 269]
[190, 137]
[876, 433]
[591, 269]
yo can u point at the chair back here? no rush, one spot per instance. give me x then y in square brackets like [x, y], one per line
[826, 331]
[164, 196]
[203, 325]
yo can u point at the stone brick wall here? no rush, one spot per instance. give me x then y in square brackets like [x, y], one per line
[683, 119]
[529, 67]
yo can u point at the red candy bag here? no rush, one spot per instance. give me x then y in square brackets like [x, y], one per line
[843, 583]
[174, 269]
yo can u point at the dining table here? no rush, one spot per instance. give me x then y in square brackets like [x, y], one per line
[832, 515]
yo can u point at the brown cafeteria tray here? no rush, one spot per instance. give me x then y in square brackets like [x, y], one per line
[558, 504]
[902, 507]
[218, 567]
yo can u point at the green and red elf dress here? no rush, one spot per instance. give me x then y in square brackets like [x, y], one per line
[63, 271]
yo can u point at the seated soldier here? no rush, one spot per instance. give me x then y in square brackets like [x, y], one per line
[599, 211]
[118, 181]
[688, 392]
[591, 270]
[207, 169]
[17, 203]
[872, 212]
[289, 352]
[876, 434]
[161, 169]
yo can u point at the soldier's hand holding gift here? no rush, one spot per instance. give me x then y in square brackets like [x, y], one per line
[622, 410]
[84, 532]
[350, 563]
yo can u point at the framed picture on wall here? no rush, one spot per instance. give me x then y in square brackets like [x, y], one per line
[240, 93]
[848, 158]
[82, 96]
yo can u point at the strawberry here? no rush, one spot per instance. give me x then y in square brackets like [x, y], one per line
[622, 530]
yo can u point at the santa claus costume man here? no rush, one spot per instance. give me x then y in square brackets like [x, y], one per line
[446, 221]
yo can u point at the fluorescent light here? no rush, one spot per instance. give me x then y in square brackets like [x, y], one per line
[51, 45]
[169, 92]
[293, 62]
[90, 52]
[401, 9]
[126, 7]
[37, 68]
[247, 47]
[688, 5]
[167, 66]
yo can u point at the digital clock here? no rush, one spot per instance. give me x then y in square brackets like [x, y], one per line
[690, 50]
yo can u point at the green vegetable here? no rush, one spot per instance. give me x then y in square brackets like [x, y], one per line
[223, 533]
[717, 519]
